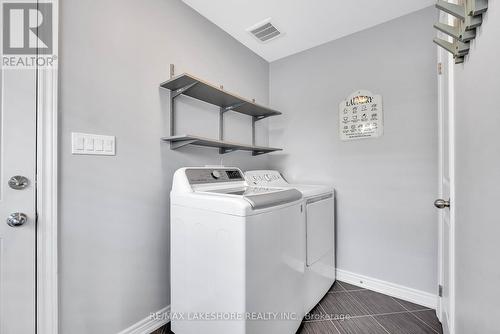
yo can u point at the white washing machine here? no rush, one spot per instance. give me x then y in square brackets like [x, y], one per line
[236, 255]
[319, 202]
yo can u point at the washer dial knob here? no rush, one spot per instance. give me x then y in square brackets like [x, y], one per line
[216, 174]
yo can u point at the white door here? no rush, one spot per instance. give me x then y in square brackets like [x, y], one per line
[17, 243]
[446, 191]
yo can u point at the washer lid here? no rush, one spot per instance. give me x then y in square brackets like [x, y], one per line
[268, 199]
[260, 197]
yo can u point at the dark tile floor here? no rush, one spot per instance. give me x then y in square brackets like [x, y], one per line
[348, 309]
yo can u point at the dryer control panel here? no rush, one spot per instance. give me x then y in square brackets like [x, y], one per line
[265, 177]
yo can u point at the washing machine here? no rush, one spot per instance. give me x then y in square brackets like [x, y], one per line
[237, 254]
[319, 227]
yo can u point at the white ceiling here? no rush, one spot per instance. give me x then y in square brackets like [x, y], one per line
[305, 23]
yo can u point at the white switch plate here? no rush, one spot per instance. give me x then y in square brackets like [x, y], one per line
[85, 143]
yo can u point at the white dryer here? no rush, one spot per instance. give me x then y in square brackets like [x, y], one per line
[319, 202]
[236, 255]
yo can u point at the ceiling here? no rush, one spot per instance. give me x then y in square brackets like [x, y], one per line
[305, 23]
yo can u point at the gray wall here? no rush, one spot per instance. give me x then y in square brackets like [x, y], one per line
[386, 224]
[477, 85]
[114, 211]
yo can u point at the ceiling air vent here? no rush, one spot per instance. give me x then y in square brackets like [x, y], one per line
[265, 31]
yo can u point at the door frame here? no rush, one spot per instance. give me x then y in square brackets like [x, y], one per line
[448, 75]
[47, 290]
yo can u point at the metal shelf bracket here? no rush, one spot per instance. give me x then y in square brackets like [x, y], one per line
[179, 144]
[255, 119]
[255, 153]
[225, 150]
[180, 91]
[173, 95]
[234, 106]
[224, 110]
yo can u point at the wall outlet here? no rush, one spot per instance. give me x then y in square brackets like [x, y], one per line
[84, 143]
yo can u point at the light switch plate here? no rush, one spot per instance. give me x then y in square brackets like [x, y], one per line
[90, 144]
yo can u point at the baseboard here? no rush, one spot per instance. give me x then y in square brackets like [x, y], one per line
[149, 324]
[402, 292]
[157, 319]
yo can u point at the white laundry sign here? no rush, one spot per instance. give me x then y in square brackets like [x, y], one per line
[361, 116]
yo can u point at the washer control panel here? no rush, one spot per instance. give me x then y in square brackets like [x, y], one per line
[213, 175]
[265, 177]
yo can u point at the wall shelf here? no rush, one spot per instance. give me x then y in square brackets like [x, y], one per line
[224, 146]
[189, 85]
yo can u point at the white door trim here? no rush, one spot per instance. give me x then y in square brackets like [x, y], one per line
[449, 77]
[47, 193]
[440, 78]
[451, 120]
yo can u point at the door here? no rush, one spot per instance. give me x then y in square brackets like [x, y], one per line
[17, 201]
[445, 202]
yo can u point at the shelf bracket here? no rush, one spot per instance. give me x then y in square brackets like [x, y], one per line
[234, 106]
[182, 90]
[172, 71]
[255, 153]
[178, 144]
[173, 95]
[255, 119]
[222, 111]
[226, 150]
[258, 118]
[221, 128]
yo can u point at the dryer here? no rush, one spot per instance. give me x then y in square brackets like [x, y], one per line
[319, 221]
[236, 254]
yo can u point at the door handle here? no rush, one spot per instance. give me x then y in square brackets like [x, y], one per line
[17, 219]
[18, 182]
[441, 203]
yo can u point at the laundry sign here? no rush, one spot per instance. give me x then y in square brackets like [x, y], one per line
[361, 116]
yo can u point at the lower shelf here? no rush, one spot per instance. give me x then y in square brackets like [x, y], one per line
[223, 146]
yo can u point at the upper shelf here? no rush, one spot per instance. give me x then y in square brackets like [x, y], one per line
[207, 92]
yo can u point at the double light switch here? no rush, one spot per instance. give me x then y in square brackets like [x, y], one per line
[84, 143]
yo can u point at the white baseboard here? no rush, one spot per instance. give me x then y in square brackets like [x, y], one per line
[149, 324]
[412, 295]
[154, 321]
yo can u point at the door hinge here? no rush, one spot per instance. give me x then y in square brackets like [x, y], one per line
[440, 68]
[440, 290]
